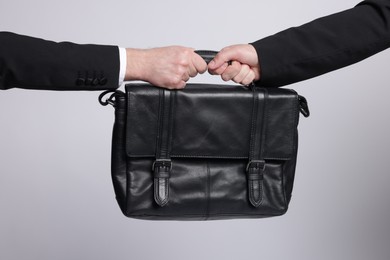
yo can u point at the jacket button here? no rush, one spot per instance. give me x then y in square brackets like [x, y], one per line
[103, 81]
[88, 81]
[80, 81]
[95, 82]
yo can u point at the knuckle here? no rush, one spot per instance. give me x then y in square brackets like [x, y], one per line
[238, 78]
[178, 85]
[173, 81]
[212, 72]
[226, 49]
[180, 71]
[184, 60]
[225, 77]
[237, 65]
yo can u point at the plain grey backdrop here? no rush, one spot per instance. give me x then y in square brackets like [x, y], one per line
[56, 196]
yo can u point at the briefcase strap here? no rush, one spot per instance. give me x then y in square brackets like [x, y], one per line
[256, 166]
[163, 164]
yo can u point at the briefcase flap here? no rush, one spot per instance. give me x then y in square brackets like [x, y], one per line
[211, 121]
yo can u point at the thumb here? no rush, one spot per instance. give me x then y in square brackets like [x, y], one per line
[220, 59]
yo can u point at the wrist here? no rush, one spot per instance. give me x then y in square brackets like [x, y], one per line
[135, 64]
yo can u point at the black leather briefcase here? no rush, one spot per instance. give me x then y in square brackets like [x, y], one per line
[204, 152]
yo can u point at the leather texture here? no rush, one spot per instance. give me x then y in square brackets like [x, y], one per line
[204, 152]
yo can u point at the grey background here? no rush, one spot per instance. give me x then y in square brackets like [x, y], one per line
[56, 197]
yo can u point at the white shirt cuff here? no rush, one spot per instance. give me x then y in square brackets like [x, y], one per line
[122, 65]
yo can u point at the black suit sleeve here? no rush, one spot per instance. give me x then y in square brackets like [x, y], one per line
[32, 63]
[325, 44]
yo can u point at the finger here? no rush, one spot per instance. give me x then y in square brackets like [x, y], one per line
[192, 70]
[199, 63]
[181, 85]
[219, 70]
[175, 82]
[185, 77]
[250, 77]
[245, 69]
[177, 85]
[222, 57]
[231, 71]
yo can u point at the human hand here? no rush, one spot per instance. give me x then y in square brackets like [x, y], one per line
[238, 63]
[168, 67]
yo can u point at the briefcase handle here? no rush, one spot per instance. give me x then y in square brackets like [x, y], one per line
[206, 55]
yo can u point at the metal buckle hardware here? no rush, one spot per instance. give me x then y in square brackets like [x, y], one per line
[162, 163]
[258, 164]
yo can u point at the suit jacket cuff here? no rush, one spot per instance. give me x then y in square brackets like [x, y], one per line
[122, 64]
